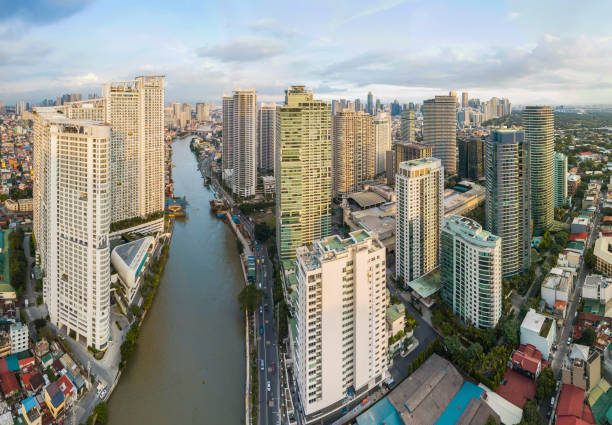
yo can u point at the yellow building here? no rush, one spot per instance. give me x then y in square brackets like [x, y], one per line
[54, 398]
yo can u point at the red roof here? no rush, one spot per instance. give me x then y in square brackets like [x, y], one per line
[528, 358]
[606, 219]
[25, 379]
[517, 389]
[27, 363]
[571, 404]
[9, 383]
[560, 305]
[3, 366]
[65, 386]
[582, 236]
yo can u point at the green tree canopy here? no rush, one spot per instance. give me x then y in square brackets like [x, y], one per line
[545, 384]
[587, 337]
[473, 352]
[510, 331]
[531, 414]
[452, 345]
[250, 297]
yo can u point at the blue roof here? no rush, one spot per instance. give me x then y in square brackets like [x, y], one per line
[458, 404]
[58, 399]
[382, 413]
[29, 403]
[12, 362]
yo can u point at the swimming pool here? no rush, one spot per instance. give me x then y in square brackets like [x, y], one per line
[458, 404]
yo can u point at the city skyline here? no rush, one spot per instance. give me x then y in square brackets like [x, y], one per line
[209, 49]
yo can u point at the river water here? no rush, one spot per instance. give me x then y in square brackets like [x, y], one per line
[189, 365]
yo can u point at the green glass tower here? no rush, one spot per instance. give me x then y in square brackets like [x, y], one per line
[538, 122]
[303, 171]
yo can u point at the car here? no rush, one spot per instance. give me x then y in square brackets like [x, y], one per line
[272, 367]
[261, 364]
[259, 285]
[552, 401]
[268, 386]
[260, 309]
[569, 340]
[261, 330]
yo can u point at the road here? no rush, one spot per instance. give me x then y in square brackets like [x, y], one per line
[574, 300]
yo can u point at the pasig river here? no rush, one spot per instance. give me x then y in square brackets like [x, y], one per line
[189, 365]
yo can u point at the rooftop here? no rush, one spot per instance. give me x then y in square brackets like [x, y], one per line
[471, 229]
[426, 285]
[132, 252]
[367, 199]
[396, 311]
[533, 321]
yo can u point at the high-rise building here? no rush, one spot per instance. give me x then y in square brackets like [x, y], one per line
[240, 115]
[358, 105]
[185, 115]
[410, 151]
[378, 107]
[440, 130]
[353, 151]
[266, 136]
[342, 341]
[20, 108]
[471, 279]
[302, 171]
[464, 100]
[508, 198]
[538, 122]
[370, 103]
[382, 140]
[72, 216]
[407, 126]
[471, 158]
[202, 112]
[135, 109]
[419, 185]
[560, 179]
[227, 141]
[2, 108]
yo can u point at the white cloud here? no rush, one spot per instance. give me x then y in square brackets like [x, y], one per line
[244, 50]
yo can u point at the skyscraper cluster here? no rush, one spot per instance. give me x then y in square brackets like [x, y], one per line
[96, 162]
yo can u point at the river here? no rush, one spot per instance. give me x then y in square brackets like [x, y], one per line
[189, 364]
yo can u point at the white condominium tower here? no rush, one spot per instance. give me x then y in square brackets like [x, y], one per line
[471, 279]
[507, 198]
[440, 130]
[560, 179]
[382, 140]
[353, 151]
[419, 185]
[302, 171]
[72, 216]
[342, 339]
[266, 136]
[135, 109]
[240, 124]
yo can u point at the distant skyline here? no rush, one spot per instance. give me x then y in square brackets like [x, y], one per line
[546, 52]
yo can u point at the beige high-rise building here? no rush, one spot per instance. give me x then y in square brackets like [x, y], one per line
[382, 140]
[72, 216]
[407, 127]
[464, 99]
[440, 130]
[408, 151]
[342, 341]
[227, 141]
[539, 124]
[353, 152]
[185, 115]
[176, 114]
[240, 114]
[266, 136]
[303, 171]
[419, 185]
[135, 109]
[202, 112]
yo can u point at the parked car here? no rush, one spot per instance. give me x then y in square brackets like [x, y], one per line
[261, 330]
[261, 364]
[552, 401]
[268, 386]
[569, 340]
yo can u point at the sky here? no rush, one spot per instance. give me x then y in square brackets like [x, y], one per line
[532, 52]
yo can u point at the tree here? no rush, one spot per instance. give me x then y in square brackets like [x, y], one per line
[545, 384]
[491, 421]
[263, 231]
[510, 332]
[589, 258]
[587, 337]
[531, 414]
[101, 412]
[395, 299]
[452, 345]
[473, 352]
[250, 297]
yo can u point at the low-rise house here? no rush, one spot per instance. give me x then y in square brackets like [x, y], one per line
[527, 360]
[603, 255]
[41, 348]
[30, 409]
[269, 184]
[556, 287]
[539, 331]
[598, 288]
[580, 225]
[571, 407]
[54, 399]
[9, 384]
[569, 260]
[68, 388]
[582, 368]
